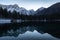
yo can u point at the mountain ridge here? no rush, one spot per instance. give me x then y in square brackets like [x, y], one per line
[17, 9]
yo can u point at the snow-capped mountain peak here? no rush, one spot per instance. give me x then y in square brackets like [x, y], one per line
[15, 7]
[41, 8]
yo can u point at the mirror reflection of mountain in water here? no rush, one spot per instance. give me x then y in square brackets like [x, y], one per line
[15, 29]
[28, 35]
[36, 36]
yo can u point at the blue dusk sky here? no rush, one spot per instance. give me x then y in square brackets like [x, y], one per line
[30, 4]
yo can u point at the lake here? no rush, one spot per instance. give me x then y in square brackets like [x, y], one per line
[30, 31]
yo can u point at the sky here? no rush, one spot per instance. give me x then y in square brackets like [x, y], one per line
[30, 4]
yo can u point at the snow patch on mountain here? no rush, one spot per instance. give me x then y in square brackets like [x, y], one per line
[15, 7]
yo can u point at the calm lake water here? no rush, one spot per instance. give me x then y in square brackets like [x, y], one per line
[30, 31]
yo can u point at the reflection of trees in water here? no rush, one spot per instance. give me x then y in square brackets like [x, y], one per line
[15, 29]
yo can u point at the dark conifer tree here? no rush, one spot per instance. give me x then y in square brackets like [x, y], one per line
[1, 11]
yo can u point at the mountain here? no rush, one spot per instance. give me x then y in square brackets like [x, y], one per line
[31, 12]
[52, 12]
[55, 8]
[40, 11]
[15, 7]
[41, 8]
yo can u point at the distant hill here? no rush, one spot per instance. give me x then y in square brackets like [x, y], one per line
[52, 12]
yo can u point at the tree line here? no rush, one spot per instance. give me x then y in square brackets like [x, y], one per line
[4, 13]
